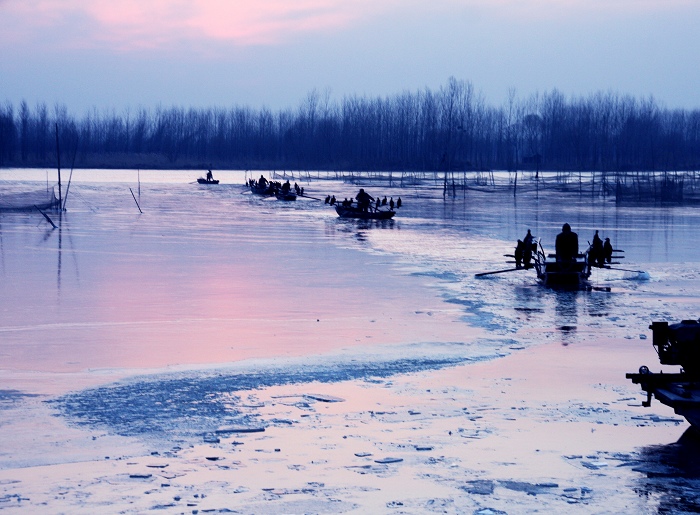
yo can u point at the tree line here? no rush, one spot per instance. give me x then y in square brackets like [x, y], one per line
[452, 128]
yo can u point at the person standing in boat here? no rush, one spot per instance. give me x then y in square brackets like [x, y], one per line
[519, 252]
[527, 249]
[566, 244]
[363, 200]
[210, 176]
[596, 254]
[398, 203]
[607, 251]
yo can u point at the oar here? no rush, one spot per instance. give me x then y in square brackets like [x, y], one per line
[498, 272]
[309, 196]
[625, 270]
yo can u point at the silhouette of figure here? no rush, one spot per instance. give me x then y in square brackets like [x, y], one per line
[384, 201]
[607, 250]
[286, 187]
[566, 244]
[596, 254]
[398, 202]
[262, 181]
[528, 247]
[328, 199]
[363, 199]
[210, 176]
[379, 202]
[519, 254]
[391, 203]
[332, 200]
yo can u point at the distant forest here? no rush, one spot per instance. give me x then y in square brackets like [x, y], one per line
[449, 129]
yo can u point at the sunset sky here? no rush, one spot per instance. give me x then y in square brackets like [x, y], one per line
[218, 53]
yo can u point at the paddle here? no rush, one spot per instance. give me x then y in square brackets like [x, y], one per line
[498, 272]
[625, 270]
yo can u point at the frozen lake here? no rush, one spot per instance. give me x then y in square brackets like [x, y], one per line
[211, 292]
[213, 274]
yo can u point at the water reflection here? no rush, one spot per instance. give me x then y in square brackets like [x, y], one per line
[566, 313]
[672, 474]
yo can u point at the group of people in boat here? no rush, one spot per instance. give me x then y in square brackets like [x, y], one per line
[365, 202]
[274, 187]
[566, 249]
[523, 251]
[600, 252]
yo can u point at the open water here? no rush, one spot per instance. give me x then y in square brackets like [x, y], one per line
[210, 275]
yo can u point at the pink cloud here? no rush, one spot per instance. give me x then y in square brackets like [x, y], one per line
[131, 24]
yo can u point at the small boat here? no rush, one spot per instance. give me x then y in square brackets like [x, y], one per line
[202, 180]
[571, 274]
[675, 344]
[371, 214]
[285, 195]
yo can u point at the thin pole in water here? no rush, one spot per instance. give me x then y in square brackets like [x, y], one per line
[137, 202]
[46, 216]
[58, 156]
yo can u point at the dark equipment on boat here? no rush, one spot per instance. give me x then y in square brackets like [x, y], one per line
[678, 344]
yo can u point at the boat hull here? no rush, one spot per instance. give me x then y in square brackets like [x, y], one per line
[562, 274]
[353, 212]
[204, 181]
[678, 391]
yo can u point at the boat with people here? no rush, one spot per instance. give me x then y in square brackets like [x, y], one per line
[675, 344]
[371, 213]
[572, 273]
[209, 179]
[567, 268]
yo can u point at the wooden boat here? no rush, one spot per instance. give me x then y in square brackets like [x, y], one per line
[371, 214]
[675, 344]
[266, 191]
[286, 195]
[572, 274]
[202, 180]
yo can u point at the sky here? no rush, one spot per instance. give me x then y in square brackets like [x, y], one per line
[129, 54]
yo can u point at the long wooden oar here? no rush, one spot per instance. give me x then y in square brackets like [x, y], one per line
[309, 196]
[498, 272]
[625, 270]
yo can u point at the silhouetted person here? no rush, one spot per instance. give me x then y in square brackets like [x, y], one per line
[363, 199]
[384, 201]
[566, 244]
[607, 250]
[378, 203]
[391, 203]
[398, 202]
[210, 176]
[296, 188]
[596, 254]
[519, 253]
[328, 199]
[528, 247]
[262, 182]
[286, 187]
[332, 200]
